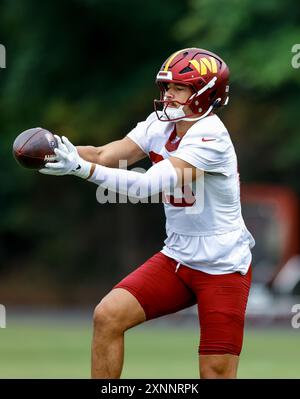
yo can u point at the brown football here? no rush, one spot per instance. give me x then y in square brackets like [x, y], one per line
[34, 147]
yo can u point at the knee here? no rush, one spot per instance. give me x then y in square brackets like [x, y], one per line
[106, 317]
[218, 368]
[212, 371]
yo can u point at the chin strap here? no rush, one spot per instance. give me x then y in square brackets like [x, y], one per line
[173, 113]
[199, 117]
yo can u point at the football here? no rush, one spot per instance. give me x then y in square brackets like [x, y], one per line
[34, 147]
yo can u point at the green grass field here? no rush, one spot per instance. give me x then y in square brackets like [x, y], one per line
[62, 350]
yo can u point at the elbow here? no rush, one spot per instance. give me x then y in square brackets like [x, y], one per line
[141, 189]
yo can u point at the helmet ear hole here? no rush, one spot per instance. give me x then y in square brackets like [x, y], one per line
[213, 94]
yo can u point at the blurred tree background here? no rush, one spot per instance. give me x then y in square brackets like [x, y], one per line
[86, 69]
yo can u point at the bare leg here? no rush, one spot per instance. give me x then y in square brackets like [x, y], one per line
[218, 366]
[115, 314]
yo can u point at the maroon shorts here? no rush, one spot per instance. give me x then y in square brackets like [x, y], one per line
[221, 299]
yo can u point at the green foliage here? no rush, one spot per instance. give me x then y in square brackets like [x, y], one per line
[86, 70]
[74, 64]
[254, 37]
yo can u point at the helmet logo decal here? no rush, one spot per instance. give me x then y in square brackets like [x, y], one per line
[205, 65]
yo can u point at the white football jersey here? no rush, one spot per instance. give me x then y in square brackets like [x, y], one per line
[204, 224]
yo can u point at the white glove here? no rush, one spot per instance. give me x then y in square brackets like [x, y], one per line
[68, 161]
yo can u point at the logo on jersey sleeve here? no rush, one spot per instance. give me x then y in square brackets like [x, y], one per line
[205, 140]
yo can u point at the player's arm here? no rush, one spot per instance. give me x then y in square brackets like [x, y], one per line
[110, 154]
[163, 176]
[186, 173]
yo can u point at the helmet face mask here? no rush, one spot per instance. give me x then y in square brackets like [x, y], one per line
[169, 111]
[207, 75]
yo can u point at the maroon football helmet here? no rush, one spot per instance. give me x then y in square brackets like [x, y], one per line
[207, 75]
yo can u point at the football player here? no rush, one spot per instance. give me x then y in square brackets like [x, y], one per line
[206, 257]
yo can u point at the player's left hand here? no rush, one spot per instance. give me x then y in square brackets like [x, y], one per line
[68, 161]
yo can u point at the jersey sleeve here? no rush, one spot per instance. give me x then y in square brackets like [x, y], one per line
[211, 153]
[139, 133]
